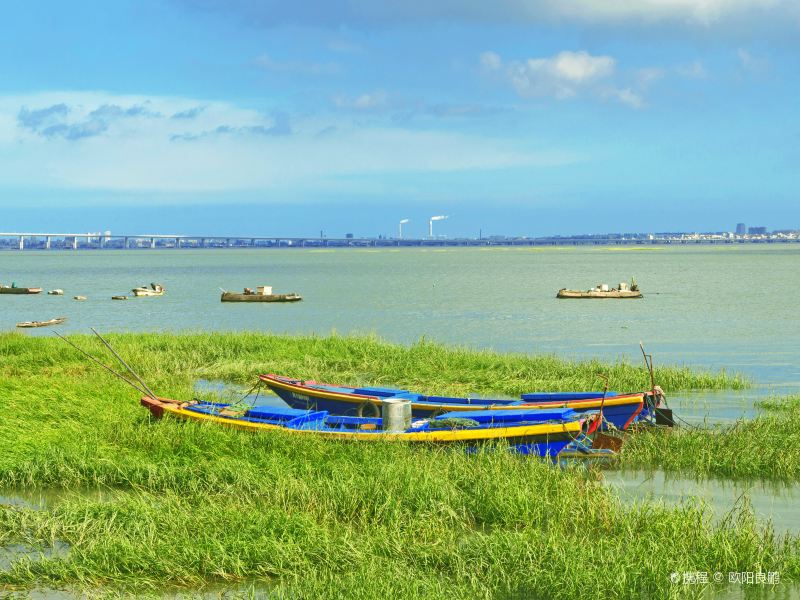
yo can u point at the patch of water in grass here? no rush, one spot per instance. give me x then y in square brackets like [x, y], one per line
[42, 498]
[724, 406]
[14, 552]
[783, 591]
[771, 501]
[44, 594]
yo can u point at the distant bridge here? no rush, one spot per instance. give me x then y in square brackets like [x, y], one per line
[99, 240]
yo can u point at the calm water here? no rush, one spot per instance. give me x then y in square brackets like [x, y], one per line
[717, 307]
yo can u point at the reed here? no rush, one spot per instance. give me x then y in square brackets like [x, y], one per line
[238, 357]
[767, 446]
[146, 505]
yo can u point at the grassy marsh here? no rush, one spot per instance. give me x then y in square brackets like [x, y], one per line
[767, 446]
[192, 504]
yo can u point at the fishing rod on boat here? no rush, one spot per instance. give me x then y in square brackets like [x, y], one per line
[605, 391]
[131, 371]
[109, 369]
[648, 363]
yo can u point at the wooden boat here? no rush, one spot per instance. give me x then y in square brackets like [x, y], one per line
[619, 410]
[119, 297]
[56, 321]
[603, 291]
[527, 432]
[155, 289]
[263, 293]
[12, 289]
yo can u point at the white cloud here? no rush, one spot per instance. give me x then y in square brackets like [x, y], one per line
[223, 147]
[752, 64]
[560, 76]
[697, 12]
[648, 76]
[694, 70]
[368, 101]
[626, 96]
[366, 13]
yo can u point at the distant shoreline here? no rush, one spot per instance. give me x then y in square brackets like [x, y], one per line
[225, 243]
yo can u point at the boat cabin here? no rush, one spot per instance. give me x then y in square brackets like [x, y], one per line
[261, 290]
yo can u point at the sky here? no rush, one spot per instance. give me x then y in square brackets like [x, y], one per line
[512, 117]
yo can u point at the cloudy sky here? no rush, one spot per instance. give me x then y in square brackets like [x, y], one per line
[525, 117]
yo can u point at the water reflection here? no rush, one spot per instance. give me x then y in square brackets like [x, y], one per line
[771, 501]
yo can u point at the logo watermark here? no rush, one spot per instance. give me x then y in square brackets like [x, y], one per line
[736, 577]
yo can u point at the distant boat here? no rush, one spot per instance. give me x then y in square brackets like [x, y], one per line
[12, 289]
[603, 291]
[56, 321]
[119, 297]
[263, 293]
[155, 289]
[56, 292]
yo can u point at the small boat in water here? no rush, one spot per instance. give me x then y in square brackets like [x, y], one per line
[119, 297]
[619, 410]
[13, 289]
[530, 432]
[155, 289]
[263, 293]
[56, 321]
[56, 292]
[603, 291]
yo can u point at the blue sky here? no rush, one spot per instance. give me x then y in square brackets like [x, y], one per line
[523, 117]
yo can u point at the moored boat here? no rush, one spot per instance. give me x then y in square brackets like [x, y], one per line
[620, 410]
[263, 293]
[530, 432]
[603, 291]
[13, 289]
[56, 292]
[155, 289]
[55, 321]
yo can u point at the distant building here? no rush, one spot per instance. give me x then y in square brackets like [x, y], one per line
[757, 230]
[741, 229]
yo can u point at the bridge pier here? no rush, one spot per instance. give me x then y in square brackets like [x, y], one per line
[47, 243]
[152, 242]
[75, 243]
[21, 243]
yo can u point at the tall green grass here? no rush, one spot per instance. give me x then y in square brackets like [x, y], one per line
[767, 446]
[192, 504]
[359, 360]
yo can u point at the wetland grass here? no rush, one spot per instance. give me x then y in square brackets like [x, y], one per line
[190, 504]
[237, 358]
[766, 447]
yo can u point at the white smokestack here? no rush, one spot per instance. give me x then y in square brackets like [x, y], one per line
[430, 223]
[402, 222]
